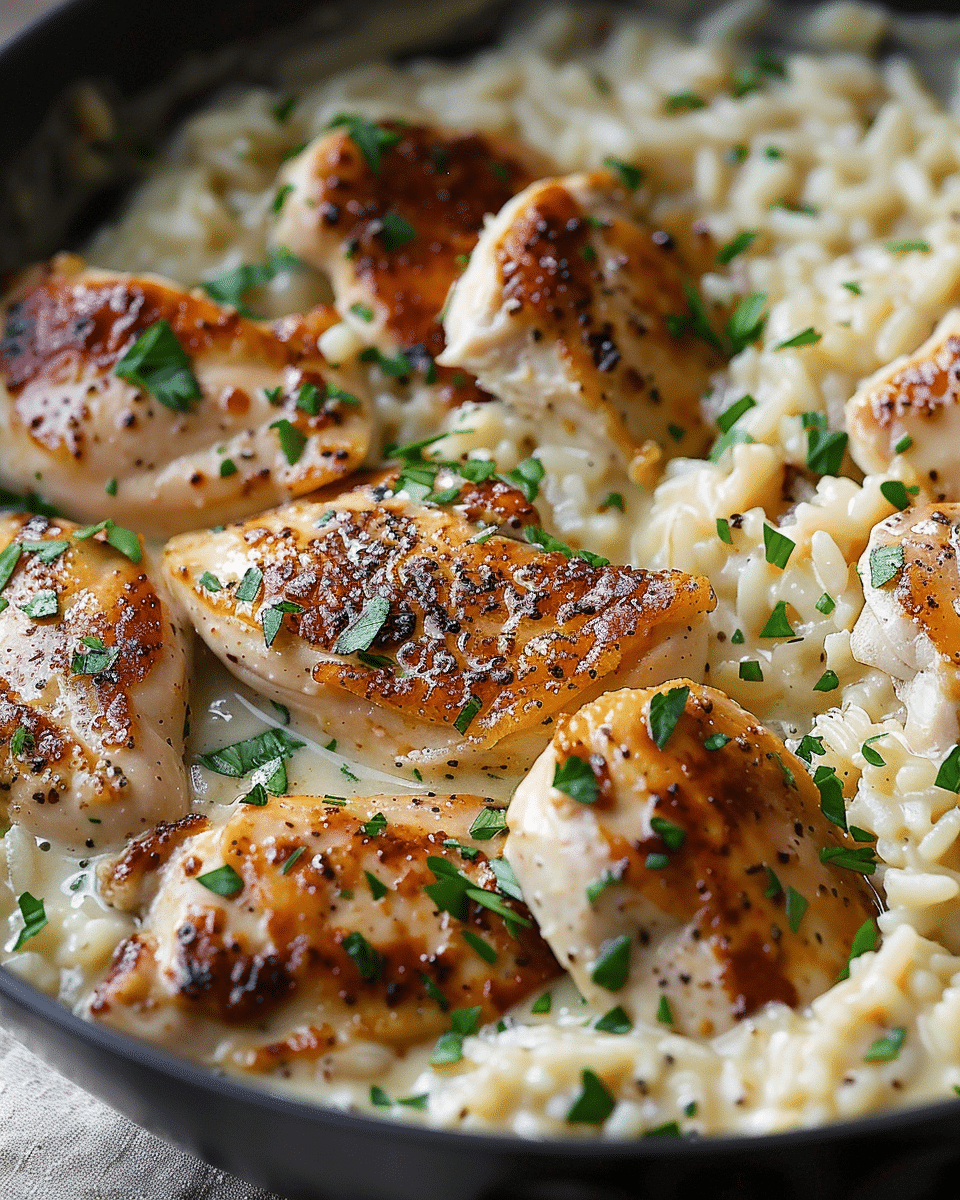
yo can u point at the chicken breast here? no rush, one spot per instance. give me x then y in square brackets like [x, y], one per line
[566, 307]
[909, 626]
[316, 925]
[93, 687]
[425, 631]
[127, 397]
[912, 408]
[391, 212]
[672, 857]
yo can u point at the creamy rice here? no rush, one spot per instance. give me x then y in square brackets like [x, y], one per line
[831, 165]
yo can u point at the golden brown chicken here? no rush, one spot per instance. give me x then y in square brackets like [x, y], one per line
[569, 305]
[425, 630]
[124, 396]
[391, 212]
[318, 924]
[670, 848]
[93, 686]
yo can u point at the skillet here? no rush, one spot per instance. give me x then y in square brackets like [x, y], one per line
[156, 61]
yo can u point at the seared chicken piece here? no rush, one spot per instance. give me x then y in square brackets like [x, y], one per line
[912, 407]
[565, 307]
[909, 626]
[93, 688]
[392, 227]
[238, 415]
[423, 630]
[320, 924]
[691, 871]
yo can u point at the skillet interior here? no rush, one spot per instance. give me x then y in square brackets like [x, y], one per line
[297, 1149]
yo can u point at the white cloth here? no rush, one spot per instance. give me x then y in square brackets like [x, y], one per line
[59, 1143]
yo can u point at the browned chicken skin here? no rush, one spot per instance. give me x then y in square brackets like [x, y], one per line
[343, 216]
[705, 858]
[330, 908]
[92, 739]
[103, 446]
[478, 635]
[566, 305]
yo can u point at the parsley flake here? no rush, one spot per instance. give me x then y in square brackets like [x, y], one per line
[124, 540]
[665, 1012]
[751, 671]
[826, 604]
[825, 450]
[612, 968]
[288, 865]
[249, 585]
[886, 1049]
[632, 176]
[904, 444]
[777, 547]
[777, 624]
[806, 337]
[730, 416]
[362, 633]
[293, 441]
[466, 714]
[34, 918]
[542, 1004]
[241, 758]
[614, 1021]
[723, 531]
[716, 741]
[272, 618]
[948, 776]
[746, 322]
[97, 659]
[852, 286]
[370, 138]
[743, 241]
[224, 881]
[829, 681]
[673, 835]
[158, 363]
[378, 889]
[595, 1102]
[396, 231]
[866, 938]
[476, 943]
[665, 711]
[873, 757]
[368, 960]
[830, 787]
[527, 476]
[908, 244]
[575, 778]
[797, 906]
[886, 562]
[375, 826]
[487, 824]
[43, 604]
[894, 491]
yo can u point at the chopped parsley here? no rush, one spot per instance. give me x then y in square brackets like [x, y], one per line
[746, 322]
[685, 102]
[723, 531]
[476, 943]
[288, 865]
[361, 634]
[547, 542]
[542, 1004]
[908, 244]
[232, 287]
[466, 714]
[527, 476]
[111, 487]
[730, 416]
[97, 658]
[612, 968]
[632, 176]
[777, 624]
[361, 310]
[487, 824]
[272, 618]
[45, 552]
[743, 241]
[886, 1049]
[716, 741]
[159, 364]
[774, 887]
[375, 826]
[826, 604]
[806, 337]
[378, 889]
[396, 231]
[224, 881]
[866, 938]
[751, 672]
[904, 444]
[595, 1102]
[394, 366]
[241, 758]
[613, 500]
[829, 681]
[948, 776]
[859, 858]
[368, 960]
[21, 740]
[852, 286]
[249, 586]
[609, 878]
[293, 441]
[665, 1012]
[830, 787]
[777, 547]
[124, 540]
[43, 604]
[895, 491]
[227, 468]
[886, 562]
[575, 778]
[825, 450]
[665, 711]
[873, 757]
[796, 908]
[370, 138]
[257, 796]
[673, 835]
[614, 1021]
[34, 918]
